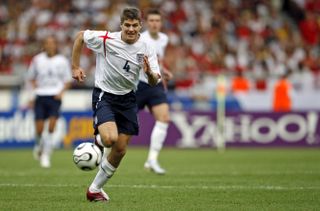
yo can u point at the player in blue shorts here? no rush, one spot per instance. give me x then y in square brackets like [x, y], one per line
[120, 56]
[50, 75]
[155, 97]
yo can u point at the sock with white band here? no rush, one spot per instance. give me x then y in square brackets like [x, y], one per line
[48, 144]
[106, 171]
[37, 140]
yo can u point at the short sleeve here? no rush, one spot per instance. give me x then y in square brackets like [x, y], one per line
[31, 74]
[166, 40]
[94, 40]
[153, 60]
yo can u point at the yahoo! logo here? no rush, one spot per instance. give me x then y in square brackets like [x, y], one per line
[201, 129]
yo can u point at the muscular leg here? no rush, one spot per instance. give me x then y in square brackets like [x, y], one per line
[109, 165]
[109, 133]
[37, 149]
[39, 130]
[52, 121]
[52, 124]
[161, 112]
[47, 143]
[118, 150]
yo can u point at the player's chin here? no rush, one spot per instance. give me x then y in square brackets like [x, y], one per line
[131, 38]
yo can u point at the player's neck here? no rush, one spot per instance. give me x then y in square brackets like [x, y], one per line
[154, 35]
[50, 54]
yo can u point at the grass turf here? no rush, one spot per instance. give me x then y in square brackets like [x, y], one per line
[203, 179]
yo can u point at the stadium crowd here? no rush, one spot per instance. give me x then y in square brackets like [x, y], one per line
[255, 41]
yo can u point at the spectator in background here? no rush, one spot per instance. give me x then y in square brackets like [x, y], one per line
[282, 94]
[309, 28]
[239, 83]
[50, 75]
[201, 34]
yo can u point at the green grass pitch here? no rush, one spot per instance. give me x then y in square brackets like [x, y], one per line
[201, 179]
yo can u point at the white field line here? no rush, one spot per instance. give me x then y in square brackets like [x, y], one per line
[190, 173]
[198, 187]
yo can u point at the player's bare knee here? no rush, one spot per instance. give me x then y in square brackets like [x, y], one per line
[51, 130]
[108, 140]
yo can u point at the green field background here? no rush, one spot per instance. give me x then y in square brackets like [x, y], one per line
[197, 179]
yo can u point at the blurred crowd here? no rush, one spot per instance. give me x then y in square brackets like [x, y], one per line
[252, 41]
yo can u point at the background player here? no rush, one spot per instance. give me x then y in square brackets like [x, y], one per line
[155, 97]
[49, 75]
[119, 57]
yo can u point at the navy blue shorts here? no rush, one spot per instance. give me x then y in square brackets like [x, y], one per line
[150, 95]
[121, 109]
[46, 106]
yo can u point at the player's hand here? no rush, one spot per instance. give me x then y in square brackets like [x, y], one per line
[146, 65]
[58, 96]
[167, 75]
[30, 104]
[78, 74]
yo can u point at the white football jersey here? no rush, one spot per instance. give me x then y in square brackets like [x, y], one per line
[50, 73]
[158, 44]
[117, 65]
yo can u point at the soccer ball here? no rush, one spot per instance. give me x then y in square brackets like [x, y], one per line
[87, 156]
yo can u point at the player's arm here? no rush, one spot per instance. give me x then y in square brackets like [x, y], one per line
[167, 75]
[153, 77]
[31, 83]
[66, 86]
[31, 93]
[77, 72]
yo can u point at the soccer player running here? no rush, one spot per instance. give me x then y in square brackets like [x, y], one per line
[155, 97]
[119, 59]
[50, 75]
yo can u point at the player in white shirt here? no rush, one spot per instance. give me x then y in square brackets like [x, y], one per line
[120, 56]
[50, 75]
[155, 97]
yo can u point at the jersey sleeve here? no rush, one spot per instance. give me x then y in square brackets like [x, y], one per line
[94, 40]
[166, 40]
[32, 72]
[153, 60]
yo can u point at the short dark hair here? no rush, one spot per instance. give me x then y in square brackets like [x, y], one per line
[152, 11]
[130, 13]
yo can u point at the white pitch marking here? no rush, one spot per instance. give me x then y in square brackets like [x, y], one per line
[200, 187]
[235, 173]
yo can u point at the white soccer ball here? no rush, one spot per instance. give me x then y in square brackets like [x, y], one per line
[87, 156]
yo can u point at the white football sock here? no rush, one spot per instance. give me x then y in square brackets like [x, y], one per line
[106, 170]
[48, 144]
[37, 140]
[158, 136]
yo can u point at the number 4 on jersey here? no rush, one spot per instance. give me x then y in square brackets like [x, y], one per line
[126, 66]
